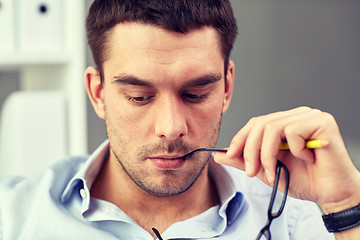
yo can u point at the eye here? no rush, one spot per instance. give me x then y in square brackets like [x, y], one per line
[140, 100]
[195, 98]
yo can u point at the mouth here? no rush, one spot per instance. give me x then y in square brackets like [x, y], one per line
[168, 162]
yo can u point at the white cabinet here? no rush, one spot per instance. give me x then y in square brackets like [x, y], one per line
[58, 69]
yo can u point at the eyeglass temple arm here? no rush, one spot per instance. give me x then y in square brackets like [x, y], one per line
[204, 150]
[157, 234]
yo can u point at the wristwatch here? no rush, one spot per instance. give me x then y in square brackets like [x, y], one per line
[341, 221]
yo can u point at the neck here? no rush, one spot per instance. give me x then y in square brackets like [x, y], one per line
[149, 210]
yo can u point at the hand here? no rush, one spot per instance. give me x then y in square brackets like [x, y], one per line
[326, 176]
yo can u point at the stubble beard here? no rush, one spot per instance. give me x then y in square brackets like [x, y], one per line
[168, 182]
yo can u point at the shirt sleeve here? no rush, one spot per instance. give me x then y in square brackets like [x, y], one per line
[308, 224]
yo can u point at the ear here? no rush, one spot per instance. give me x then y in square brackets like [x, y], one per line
[94, 89]
[229, 86]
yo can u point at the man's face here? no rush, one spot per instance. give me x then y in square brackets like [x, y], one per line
[163, 96]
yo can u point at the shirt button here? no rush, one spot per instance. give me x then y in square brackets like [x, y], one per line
[82, 193]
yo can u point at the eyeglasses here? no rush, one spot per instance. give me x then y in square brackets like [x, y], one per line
[271, 214]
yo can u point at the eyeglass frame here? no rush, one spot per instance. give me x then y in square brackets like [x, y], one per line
[265, 231]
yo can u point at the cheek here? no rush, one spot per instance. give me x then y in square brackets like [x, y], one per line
[212, 108]
[207, 119]
[121, 121]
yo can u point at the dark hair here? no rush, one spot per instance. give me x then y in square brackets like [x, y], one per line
[180, 16]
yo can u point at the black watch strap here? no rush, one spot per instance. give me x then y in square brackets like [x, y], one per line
[340, 221]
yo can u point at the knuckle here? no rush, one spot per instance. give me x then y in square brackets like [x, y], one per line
[328, 117]
[303, 108]
[272, 126]
[317, 110]
[253, 120]
[290, 131]
[266, 157]
[250, 153]
[269, 127]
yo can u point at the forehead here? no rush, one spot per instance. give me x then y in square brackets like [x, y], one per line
[137, 47]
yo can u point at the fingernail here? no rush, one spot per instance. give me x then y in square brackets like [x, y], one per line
[230, 151]
[216, 156]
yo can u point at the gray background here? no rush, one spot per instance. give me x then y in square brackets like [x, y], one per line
[288, 54]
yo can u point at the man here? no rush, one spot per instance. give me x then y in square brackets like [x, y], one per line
[162, 82]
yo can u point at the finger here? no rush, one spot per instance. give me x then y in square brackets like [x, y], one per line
[312, 128]
[251, 150]
[254, 141]
[221, 158]
[274, 134]
[238, 142]
[297, 147]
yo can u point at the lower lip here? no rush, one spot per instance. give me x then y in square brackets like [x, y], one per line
[168, 164]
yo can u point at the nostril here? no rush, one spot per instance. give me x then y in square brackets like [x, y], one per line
[170, 121]
[170, 129]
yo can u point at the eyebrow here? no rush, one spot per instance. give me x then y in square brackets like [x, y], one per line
[125, 79]
[131, 80]
[204, 80]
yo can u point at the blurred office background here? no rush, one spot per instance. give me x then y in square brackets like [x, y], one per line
[288, 54]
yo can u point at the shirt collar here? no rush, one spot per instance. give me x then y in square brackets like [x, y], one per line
[231, 198]
[87, 172]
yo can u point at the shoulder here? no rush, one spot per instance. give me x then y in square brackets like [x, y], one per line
[23, 199]
[52, 179]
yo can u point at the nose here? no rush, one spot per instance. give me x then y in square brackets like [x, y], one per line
[171, 121]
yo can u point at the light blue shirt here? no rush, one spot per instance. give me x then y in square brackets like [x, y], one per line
[56, 204]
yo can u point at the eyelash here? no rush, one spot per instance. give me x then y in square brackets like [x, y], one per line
[192, 98]
[140, 100]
